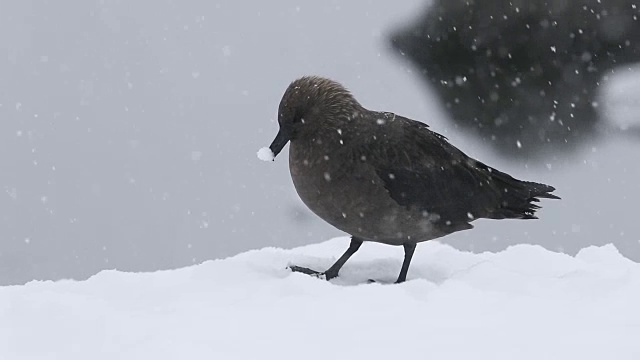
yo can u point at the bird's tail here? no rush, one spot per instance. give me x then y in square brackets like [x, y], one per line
[519, 197]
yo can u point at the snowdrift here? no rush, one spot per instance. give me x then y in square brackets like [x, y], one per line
[522, 303]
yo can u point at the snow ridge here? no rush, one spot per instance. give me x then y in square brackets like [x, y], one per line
[525, 303]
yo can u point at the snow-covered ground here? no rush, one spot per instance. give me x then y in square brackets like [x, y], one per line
[130, 140]
[521, 303]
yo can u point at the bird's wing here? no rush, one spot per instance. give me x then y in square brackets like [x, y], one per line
[430, 174]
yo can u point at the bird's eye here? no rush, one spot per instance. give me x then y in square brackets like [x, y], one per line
[297, 118]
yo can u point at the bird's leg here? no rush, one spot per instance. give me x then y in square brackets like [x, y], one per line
[332, 272]
[409, 248]
[335, 268]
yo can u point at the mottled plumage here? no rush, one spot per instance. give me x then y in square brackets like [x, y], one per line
[382, 177]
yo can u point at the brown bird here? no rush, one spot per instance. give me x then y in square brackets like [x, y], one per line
[382, 177]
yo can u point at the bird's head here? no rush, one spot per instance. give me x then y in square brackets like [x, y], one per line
[311, 103]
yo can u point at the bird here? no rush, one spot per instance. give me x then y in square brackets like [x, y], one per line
[381, 177]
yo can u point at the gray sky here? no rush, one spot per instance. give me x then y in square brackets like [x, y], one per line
[129, 133]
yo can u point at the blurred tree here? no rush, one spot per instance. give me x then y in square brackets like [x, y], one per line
[523, 74]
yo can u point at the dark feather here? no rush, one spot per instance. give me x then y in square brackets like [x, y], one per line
[441, 180]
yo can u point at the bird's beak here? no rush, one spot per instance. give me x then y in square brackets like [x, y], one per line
[279, 142]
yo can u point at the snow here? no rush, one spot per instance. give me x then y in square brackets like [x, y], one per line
[521, 303]
[265, 154]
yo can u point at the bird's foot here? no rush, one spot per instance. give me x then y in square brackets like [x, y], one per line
[372, 281]
[308, 271]
[327, 275]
